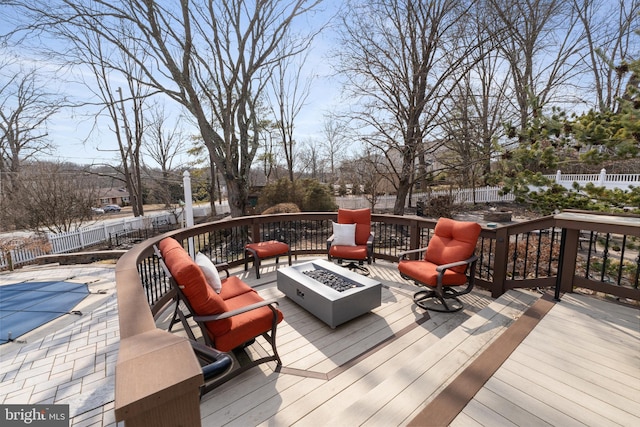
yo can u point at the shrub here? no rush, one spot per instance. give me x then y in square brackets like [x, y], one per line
[282, 208]
[440, 206]
[317, 197]
[309, 194]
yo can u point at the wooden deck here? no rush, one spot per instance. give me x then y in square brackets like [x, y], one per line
[579, 366]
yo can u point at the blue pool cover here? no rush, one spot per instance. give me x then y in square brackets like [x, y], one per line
[26, 306]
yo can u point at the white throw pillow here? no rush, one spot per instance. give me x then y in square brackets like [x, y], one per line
[344, 234]
[210, 271]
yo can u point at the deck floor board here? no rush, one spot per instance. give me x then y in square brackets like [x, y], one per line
[579, 366]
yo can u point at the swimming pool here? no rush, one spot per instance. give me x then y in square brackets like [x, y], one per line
[26, 306]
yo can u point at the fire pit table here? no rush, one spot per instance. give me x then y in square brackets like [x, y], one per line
[332, 293]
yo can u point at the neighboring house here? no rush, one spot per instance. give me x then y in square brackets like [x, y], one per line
[113, 196]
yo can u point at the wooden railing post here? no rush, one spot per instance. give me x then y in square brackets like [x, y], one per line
[568, 261]
[414, 235]
[255, 231]
[500, 262]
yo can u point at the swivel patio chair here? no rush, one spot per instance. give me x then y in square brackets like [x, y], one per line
[449, 262]
[352, 239]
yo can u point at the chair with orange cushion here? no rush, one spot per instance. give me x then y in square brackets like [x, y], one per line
[449, 262]
[352, 238]
[228, 320]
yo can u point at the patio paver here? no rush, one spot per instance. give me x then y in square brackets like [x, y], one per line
[70, 360]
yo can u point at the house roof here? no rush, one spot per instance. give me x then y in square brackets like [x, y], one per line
[113, 192]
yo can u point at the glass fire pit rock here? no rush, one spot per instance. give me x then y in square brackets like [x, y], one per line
[345, 296]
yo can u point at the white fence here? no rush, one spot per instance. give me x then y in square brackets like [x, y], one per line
[76, 240]
[610, 181]
[460, 196]
[91, 236]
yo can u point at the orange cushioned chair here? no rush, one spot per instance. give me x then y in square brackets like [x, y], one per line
[352, 238]
[449, 261]
[228, 320]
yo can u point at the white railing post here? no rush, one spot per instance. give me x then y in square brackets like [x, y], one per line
[558, 176]
[188, 207]
[603, 176]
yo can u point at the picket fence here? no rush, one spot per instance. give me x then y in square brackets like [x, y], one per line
[623, 181]
[459, 196]
[86, 237]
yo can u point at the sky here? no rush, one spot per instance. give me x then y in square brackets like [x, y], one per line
[76, 142]
[72, 130]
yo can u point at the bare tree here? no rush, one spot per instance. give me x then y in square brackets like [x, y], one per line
[214, 58]
[608, 27]
[125, 108]
[370, 169]
[54, 196]
[290, 91]
[310, 162]
[336, 135]
[269, 155]
[26, 106]
[475, 115]
[392, 57]
[539, 39]
[163, 143]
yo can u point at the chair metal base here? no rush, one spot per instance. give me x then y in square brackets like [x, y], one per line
[446, 303]
[356, 267]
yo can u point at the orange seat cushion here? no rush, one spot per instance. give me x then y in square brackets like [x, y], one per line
[348, 252]
[203, 299]
[268, 249]
[247, 325]
[362, 219]
[232, 286]
[453, 241]
[425, 272]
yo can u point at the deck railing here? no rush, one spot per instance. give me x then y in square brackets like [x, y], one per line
[598, 253]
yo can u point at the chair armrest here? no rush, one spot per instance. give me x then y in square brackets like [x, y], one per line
[224, 266]
[444, 267]
[235, 312]
[216, 361]
[206, 353]
[403, 255]
[330, 241]
[370, 238]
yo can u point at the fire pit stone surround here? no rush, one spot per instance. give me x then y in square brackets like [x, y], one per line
[333, 307]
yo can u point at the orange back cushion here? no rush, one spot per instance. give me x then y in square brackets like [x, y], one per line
[452, 241]
[202, 298]
[362, 219]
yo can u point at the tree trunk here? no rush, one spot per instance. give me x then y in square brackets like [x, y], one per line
[238, 196]
[403, 191]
